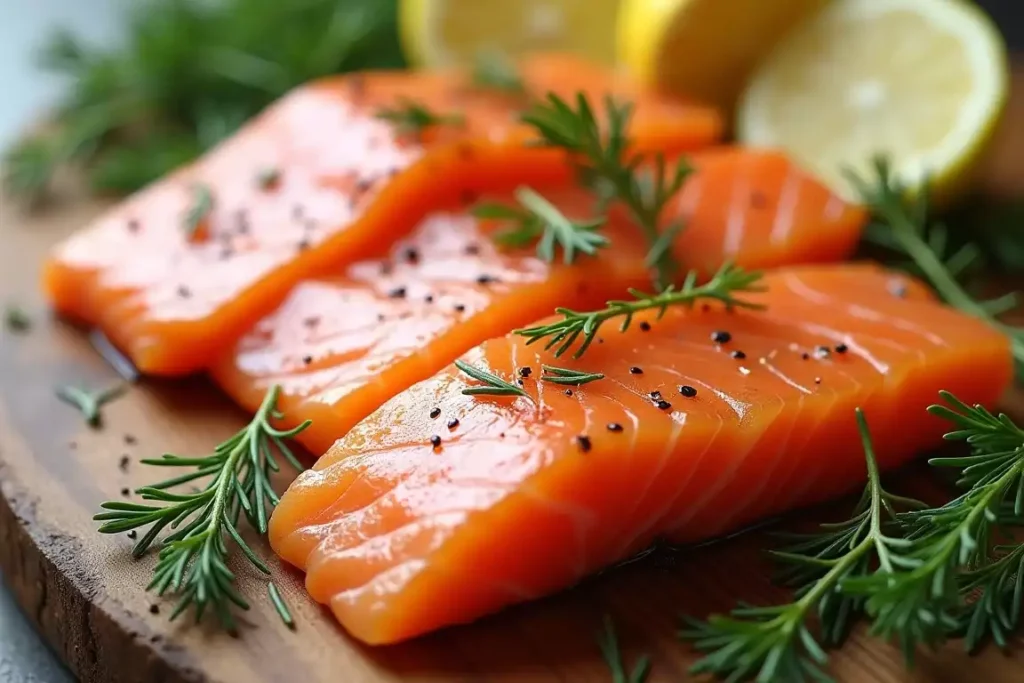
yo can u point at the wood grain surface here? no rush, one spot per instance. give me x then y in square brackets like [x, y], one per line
[86, 595]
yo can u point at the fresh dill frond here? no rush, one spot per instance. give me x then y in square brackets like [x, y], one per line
[724, 287]
[776, 643]
[542, 222]
[412, 118]
[608, 641]
[904, 225]
[923, 603]
[89, 403]
[492, 384]
[607, 166]
[192, 562]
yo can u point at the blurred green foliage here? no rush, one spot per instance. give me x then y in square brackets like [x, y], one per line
[187, 74]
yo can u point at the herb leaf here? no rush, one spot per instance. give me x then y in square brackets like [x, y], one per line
[89, 403]
[193, 557]
[724, 286]
[607, 167]
[566, 376]
[609, 644]
[493, 385]
[905, 226]
[541, 220]
[493, 71]
[16, 319]
[198, 213]
[774, 643]
[412, 118]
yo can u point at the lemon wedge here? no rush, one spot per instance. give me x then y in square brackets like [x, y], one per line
[704, 49]
[437, 33]
[921, 82]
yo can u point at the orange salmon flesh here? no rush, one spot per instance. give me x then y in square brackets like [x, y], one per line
[440, 508]
[180, 270]
[341, 346]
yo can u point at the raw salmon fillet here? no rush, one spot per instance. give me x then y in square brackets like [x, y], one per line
[685, 438]
[339, 347]
[314, 184]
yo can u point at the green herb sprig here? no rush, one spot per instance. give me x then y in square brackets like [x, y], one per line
[199, 211]
[775, 643]
[567, 376]
[903, 224]
[16, 319]
[188, 74]
[492, 384]
[412, 118]
[493, 71]
[608, 167]
[542, 222]
[608, 641]
[193, 558]
[949, 547]
[724, 287]
[89, 403]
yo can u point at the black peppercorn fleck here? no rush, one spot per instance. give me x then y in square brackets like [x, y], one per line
[306, 360]
[645, 326]
[397, 293]
[184, 292]
[126, 492]
[655, 394]
[460, 308]
[436, 412]
[453, 423]
[584, 443]
[614, 427]
[124, 462]
[663, 404]
[429, 298]
[636, 371]
[435, 441]
[687, 391]
[472, 249]
[738, 355]
[525, 371]
[568, 392]
[721, 337]
[154, 609]
[817, 380]
[842, 348]
[130, 439]
[485, 279]
[411, 255]
[805, 355]
[133, 534]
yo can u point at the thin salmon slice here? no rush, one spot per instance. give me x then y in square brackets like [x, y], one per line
[409, 524]
[312, 185]
[340, 347]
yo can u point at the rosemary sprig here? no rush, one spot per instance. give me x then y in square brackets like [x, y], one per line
[949, 546]
[493, 385]
[199, 211]
[992, 595]
[16, 319]
[193, 558]
[775, 643]
[89, 403]
[906, 227]
[609, 644]
[566, 376]
[606, 165]
[541, 221]
[724, 286]
[495, 72]
[412, 118]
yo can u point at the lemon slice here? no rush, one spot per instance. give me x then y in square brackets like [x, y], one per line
[436, 33]
[704, 49]
[921, 82]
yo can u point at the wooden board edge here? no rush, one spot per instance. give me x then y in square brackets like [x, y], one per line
[54, 597]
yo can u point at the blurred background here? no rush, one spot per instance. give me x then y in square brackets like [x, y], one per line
[137, 88]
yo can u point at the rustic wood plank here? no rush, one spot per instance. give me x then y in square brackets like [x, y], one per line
[86, 596]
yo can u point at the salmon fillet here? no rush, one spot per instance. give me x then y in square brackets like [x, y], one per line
[401, 533]
[185, 266]
[341, 346]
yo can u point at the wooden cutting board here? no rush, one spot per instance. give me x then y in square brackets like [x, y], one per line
[86, 595]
